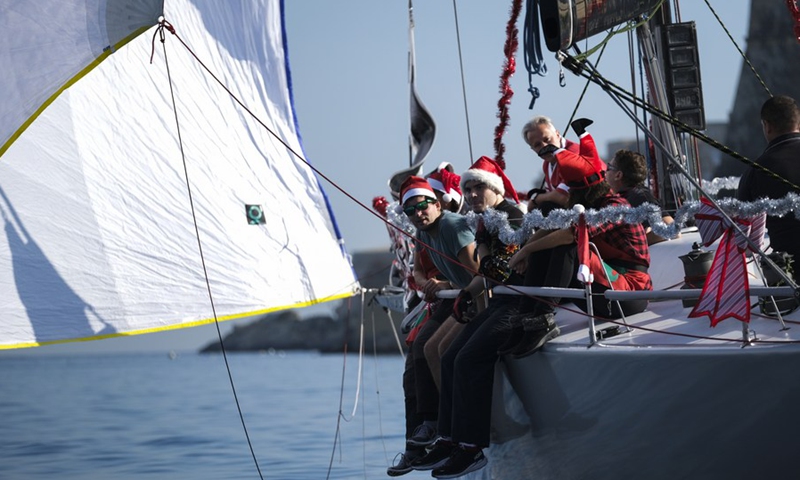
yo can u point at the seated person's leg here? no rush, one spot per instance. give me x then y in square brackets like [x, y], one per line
[556, 268]
[426, 389]
[434, 346]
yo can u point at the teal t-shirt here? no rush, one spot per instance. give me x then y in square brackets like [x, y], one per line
[451, 234]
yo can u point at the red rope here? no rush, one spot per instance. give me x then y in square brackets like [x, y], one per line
[509, 67]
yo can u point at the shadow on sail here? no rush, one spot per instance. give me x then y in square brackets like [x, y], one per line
[48, 300]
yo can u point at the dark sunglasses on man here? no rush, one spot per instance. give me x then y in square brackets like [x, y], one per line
[409, 210]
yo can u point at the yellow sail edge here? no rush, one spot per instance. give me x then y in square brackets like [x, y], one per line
[179, 326]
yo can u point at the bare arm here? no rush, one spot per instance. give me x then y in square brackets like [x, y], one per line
[466, 256]
[476, 286]
[429, 287]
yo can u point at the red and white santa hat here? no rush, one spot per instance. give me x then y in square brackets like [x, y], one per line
[414, 186]
[488, 171]
[445, 181]
[582, 170]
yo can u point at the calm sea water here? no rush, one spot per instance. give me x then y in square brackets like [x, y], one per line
[148, 416]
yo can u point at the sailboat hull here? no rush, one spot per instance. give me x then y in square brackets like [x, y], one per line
[627, 412]
[674, 398]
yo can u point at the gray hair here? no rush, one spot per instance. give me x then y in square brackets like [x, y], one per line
[535, 122]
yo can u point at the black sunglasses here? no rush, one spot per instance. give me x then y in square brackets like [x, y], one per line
[418, 207]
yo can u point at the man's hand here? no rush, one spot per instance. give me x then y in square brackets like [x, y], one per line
[432, 286]
[460, 307]
[519, 261]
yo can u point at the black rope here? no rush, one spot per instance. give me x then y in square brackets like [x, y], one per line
[585, 87]
[337, 435]
[583, 69]
[160, 32]
[532, 49]
[377, 384]
[744, 56]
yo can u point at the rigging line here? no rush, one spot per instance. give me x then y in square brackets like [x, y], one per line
[275, 135]
[612, 32]
[377, 385]
[631, 57]
[337, 433]
[614, 89]
[364, 429]
[744, 56]
[360, 369]
[585, 87]
[532, 49]
[463, 83]
[622, 323]
[160, 29]
[396, 335]
[694, 182]
[651, 163]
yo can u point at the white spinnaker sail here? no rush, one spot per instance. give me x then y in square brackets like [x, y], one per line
[98, 234]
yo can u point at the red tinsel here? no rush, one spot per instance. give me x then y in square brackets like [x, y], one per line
[509, 67]
[795, 11]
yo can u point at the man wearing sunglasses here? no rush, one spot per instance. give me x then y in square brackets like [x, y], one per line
[469, 352]
[450, 243]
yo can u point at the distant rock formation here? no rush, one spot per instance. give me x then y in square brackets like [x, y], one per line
[289, 330]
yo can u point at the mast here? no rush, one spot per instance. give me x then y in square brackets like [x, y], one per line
[422, 127]
[673, 74]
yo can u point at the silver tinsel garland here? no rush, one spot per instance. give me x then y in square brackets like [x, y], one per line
[497, 222]
[395, 216]
[712, 187]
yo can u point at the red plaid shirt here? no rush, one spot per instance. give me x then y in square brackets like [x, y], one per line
[620, 244]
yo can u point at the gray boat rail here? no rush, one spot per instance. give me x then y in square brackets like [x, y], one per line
[620, 295]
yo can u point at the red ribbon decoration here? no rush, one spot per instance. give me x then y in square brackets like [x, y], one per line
[727, 290]
[795, 11]
[510, 49]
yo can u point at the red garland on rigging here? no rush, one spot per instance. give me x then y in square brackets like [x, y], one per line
[795, 11]
[506, 92]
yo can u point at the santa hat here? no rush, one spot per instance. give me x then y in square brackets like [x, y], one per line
[414, 186]
[582, 170]
[486, 170]
[444, 180]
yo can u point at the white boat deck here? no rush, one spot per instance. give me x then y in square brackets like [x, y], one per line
[666, 321]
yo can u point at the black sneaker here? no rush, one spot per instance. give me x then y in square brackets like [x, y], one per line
[538, 331]
[461, 462]
[403, 464]
[423, 436]
[436, 456]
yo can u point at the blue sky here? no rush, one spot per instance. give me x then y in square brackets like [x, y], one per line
[350, 83]
[349, 71]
